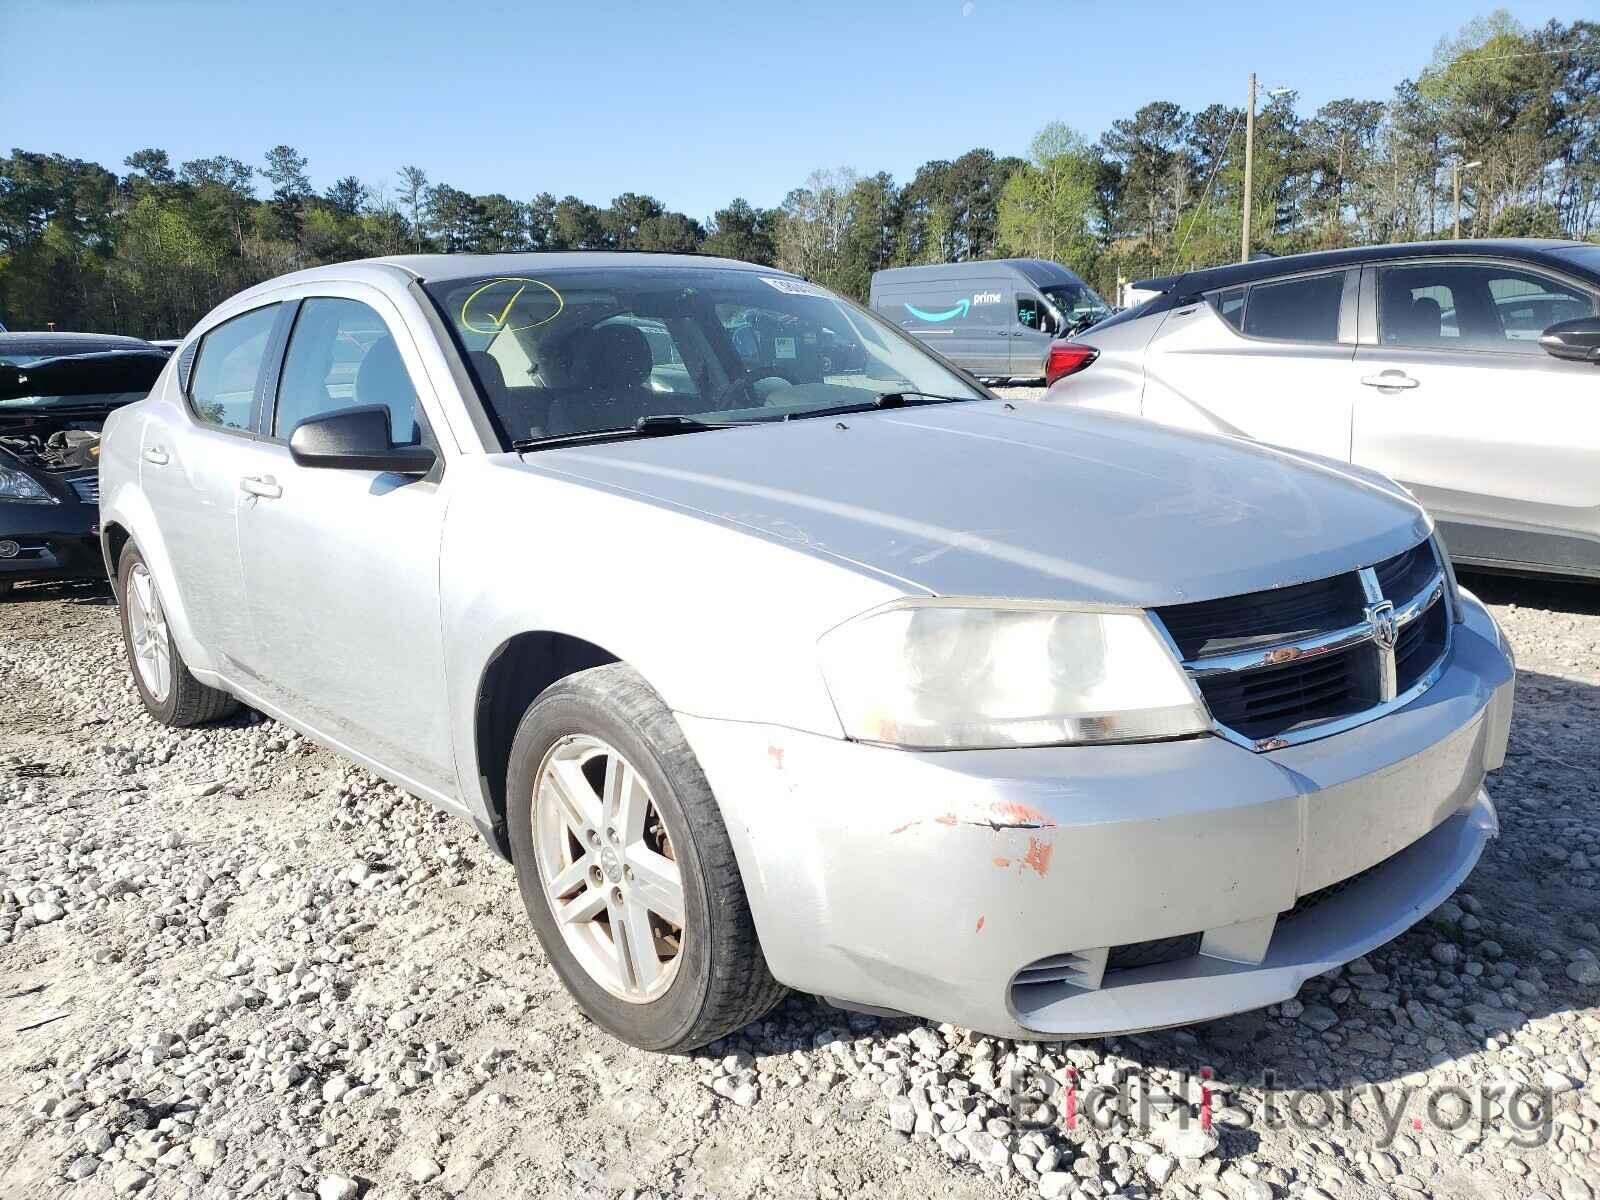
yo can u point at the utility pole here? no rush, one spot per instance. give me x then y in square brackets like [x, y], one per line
[1249, 167]
[1457, 170]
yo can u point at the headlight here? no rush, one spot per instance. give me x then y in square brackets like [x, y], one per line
[21, 488]
[957, 675]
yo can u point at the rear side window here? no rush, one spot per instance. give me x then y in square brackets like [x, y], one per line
[1230, 306]
[342, 355]
[222, 384]
[1473, 306]
[1296, 310]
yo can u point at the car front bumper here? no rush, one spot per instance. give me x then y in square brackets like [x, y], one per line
[55, 541]
[999, 890]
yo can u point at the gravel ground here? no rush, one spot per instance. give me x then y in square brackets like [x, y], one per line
[232, 965]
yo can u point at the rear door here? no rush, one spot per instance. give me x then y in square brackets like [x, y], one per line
[190, 462]
[1458, 401]
[1273, 361]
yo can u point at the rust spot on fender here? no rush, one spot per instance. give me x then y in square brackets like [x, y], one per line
[904, 827]
[946, 819]
[1038, 856]
[1020, 816]
[980, 925]
[775, 753]
[1002, 862]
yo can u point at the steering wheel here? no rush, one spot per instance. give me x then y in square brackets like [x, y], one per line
[745, 383]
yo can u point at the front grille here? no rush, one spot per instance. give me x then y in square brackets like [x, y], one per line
[1273, 666]
[87, 487]
[1263, 618]
[1311, 899]
[1274, 700]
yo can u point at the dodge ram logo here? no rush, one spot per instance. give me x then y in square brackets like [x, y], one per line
[1385, 628]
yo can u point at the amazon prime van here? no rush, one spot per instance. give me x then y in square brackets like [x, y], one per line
[996, 318]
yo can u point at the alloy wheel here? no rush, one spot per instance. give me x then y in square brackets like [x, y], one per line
[147, 627]
[608, 868]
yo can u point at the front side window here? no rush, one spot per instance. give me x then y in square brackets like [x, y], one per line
[222, 384]
[584, 350]
[1473, 306]
[1296, 310]
[1033, 313]
[342, 355]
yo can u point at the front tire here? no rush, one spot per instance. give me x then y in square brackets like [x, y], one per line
[168, 691]
[626, 868]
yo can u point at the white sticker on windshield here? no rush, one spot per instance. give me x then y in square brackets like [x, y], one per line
[793, 287]
[783, 347]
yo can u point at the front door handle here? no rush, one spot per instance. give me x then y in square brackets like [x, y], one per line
[1390, 379]
[156, 455]
[264, 486]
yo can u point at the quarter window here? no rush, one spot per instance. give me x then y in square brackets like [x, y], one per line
[222, 384]
[1298, 310]
[1230, 306]
[1473, 306]
[342, 355]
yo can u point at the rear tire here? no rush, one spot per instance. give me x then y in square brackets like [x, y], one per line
[169, 692]
[714, 979]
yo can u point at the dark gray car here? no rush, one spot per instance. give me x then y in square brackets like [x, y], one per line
[995, 319]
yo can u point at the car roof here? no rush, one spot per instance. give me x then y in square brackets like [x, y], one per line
[433, 267]
[1189, 283]
[57, 345]
[1035, 270]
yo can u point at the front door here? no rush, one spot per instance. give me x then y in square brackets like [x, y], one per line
[341, 567]
[1500, 441]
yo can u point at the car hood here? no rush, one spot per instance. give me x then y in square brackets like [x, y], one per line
[1023, 500]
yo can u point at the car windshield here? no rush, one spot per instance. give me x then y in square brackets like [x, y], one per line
[1076, 301]
[572, 351]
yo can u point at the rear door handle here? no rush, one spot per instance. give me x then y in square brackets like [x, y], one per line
[1390, 379]
[264, 486]
[156, 455]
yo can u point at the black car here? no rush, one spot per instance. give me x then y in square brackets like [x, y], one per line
[55, 392]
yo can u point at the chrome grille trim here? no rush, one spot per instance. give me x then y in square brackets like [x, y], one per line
[1386, 617]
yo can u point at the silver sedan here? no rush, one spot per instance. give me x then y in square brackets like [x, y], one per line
[773, 651]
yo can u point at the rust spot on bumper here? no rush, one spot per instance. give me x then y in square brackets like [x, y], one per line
[980, 926]
[1038, 855]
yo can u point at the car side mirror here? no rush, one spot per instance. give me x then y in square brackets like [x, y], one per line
[1575, 341]
[356, 439]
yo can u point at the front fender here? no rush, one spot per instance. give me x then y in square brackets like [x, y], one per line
[721, 622]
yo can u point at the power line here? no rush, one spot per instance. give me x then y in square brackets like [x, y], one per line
[1205, 195]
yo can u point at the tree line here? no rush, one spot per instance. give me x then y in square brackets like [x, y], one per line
[149, 251]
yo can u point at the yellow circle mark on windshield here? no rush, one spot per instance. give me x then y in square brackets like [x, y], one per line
[509, 304]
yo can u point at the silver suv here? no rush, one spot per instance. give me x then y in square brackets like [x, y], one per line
[1468, 371]
[771, 652]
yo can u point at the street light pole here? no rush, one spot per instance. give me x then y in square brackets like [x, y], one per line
[1249, 168]
[1457, 169]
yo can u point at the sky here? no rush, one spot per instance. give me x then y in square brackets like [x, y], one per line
[691, 102]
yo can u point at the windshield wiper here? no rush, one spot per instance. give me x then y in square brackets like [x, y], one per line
[656, 425]
[902, 399]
